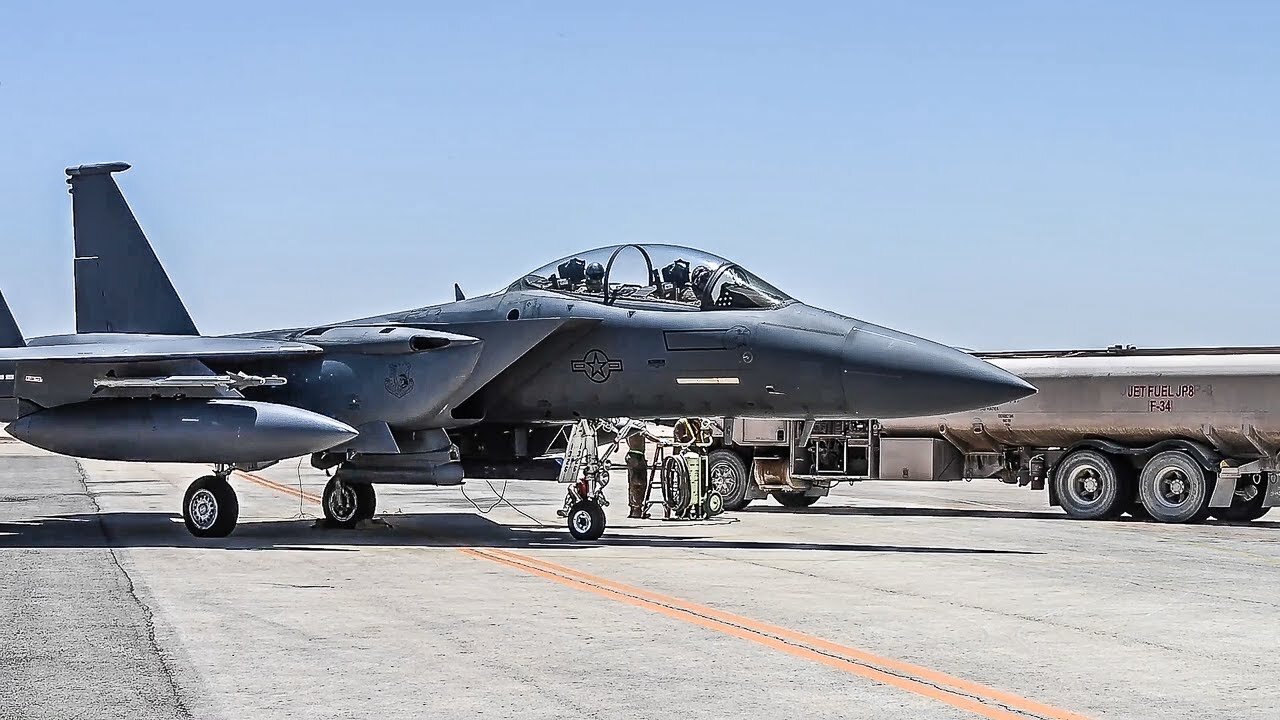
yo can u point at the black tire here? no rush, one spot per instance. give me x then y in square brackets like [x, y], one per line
[210, 507]
[1243, 509]
[1089, 486]
[675, 485]
[729, 475]
[1174, 488]
[586, 520]
[368, 501]
[793, 498]
[346, 504]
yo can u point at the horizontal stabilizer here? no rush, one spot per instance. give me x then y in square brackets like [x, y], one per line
[126, 348]
[120, 284]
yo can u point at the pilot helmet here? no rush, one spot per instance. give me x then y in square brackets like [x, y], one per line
[595, 273]
[701, 276]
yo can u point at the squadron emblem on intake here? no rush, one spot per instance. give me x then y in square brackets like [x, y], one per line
[596, 366]
[399, 380]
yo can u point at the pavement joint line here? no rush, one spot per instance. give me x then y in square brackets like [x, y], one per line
[959, 693]
[913, 678]
[148, 616]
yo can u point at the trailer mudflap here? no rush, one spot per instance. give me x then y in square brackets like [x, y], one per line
[1224, 487]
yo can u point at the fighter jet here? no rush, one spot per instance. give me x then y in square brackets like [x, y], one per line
[413, 397]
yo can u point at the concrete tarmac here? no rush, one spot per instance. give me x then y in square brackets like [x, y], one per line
[886, 600]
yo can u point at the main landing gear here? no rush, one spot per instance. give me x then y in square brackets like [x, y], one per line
[210, 508]
[346, 504]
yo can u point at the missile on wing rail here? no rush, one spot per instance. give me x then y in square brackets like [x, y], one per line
[200, 431]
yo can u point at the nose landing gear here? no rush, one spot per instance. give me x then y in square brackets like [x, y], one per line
[585, 470]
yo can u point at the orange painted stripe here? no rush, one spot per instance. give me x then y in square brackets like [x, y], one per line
[278, 487]
[957, 692]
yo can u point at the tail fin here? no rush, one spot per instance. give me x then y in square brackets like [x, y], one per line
[120, 284]
[10, 336]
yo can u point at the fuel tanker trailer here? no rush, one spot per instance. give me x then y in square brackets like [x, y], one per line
[1176, 434]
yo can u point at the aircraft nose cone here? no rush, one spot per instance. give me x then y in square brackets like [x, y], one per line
[892, 374]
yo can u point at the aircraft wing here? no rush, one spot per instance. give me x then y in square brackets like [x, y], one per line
[123, 348]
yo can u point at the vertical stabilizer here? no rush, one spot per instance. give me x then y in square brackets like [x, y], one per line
[10, 336]
[120, 284]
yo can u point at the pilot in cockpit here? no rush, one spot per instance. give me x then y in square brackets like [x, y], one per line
[594, 278]
[698, 283]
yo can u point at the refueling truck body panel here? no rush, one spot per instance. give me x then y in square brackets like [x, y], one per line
[1219, 408]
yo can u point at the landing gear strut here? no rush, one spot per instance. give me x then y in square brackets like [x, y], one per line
[346, 504]
[210, 507]
[585, 471]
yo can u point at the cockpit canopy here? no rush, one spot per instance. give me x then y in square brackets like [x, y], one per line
[664, 275]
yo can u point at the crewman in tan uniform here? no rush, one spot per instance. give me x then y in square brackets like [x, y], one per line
[637, 475]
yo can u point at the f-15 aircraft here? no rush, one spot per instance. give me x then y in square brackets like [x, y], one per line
[644, 331]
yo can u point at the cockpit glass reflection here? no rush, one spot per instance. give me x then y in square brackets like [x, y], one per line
[664, 275]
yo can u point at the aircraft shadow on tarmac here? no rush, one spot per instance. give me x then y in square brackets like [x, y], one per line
[139, 530]
[965, 513]
[912, 512]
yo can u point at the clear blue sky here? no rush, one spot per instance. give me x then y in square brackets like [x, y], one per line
[987, 174]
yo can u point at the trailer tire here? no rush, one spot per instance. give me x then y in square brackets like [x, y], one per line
[729, 476]
[794, 498]
[1089, 486]
[1174, 488]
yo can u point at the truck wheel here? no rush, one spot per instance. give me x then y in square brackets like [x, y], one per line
[729, 476]
[1243, 509]
[1089, 487]
[793, 499]
[1174, 488]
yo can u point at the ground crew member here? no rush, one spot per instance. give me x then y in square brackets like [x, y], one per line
[637, 475]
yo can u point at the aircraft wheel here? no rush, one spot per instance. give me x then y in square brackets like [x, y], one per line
[210, 507]
[1243, 509]
[368, 501]
[729, 476]
[1174, 488]
[1089, 487]
[586, 520]
[346, 504]
[793, 499]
